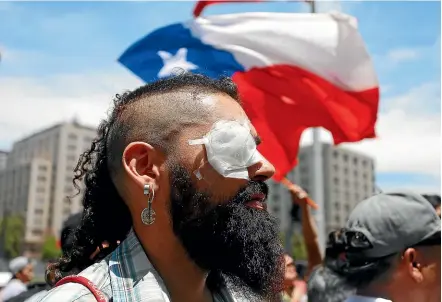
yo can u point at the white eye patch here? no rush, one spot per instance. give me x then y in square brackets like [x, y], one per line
[230, 148]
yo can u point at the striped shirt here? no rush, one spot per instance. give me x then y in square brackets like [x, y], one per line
[124, 275]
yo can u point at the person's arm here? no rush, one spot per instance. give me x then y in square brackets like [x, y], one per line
[309, 230]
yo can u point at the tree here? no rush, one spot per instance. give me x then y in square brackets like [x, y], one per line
[299, 249]
[50, 249]
[12, 235]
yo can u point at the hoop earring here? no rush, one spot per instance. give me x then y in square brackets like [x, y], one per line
[148, 214]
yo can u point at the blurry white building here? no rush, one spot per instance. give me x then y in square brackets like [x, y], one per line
[3, 158]
[38, 178]
[349, 177]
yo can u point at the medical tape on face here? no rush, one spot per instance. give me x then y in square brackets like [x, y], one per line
[230, 149]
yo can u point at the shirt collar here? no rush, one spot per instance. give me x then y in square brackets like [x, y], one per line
[132, 276]
[134, 279]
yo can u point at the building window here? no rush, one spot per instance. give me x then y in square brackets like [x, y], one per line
[275, 209]
[337, 219]
[335, 154]
[69, 178]
[345, 171]
[355, 160]
[88, 139]
[72, 136]
[337, 206]
[304, 182]
[336, 181]
[347, 208]
[357, 197]
[41, 178]
[40, 189]
[364, 163]
[72, 147]
[276, 197]
[37, 232]
[345, 157]
[71, 158]
[38, 212]
[346, 183]
[42, 168]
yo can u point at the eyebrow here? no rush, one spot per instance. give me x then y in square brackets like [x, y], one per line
[257, 139]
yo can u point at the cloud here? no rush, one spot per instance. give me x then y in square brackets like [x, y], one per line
[403, 54]
[428, 55]
[408, 135]
[31, 104]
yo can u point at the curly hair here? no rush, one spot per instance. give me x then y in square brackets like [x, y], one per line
[152, 113]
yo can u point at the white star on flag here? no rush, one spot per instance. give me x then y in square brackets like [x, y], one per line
[178, 61]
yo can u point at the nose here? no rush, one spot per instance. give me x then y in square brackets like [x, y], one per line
[261, 171]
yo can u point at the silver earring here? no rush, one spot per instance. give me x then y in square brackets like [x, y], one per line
[148, 214]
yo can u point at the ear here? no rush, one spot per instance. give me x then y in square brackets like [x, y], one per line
[414, 267]
[141, 164]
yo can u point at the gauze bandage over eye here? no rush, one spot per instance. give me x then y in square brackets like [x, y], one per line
[230, 149]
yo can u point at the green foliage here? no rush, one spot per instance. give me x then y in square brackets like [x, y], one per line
[12, 236]
[50, 249]
[299, 249]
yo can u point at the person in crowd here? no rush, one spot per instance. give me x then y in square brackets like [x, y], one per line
[22, 269]
[175, 176]
[66, 239]
[434, 200]
[388, 251]
[294, 288]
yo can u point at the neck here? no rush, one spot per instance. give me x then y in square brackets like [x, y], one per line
[184, 280]
[288, 288]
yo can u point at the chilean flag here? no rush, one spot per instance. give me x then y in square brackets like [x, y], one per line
[293, 71]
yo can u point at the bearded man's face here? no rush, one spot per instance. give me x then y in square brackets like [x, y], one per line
[228, 237]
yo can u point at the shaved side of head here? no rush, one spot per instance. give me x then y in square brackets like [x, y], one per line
[156, 113]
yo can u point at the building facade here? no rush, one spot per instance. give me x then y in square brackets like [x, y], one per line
[3, 159]
[38, 178]
[349, 177]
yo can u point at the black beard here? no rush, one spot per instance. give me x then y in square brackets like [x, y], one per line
[231, 240]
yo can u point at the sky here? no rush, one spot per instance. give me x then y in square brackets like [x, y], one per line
[59, 62]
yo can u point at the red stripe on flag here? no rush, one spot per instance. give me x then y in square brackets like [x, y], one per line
[283, 100]
[202, 4]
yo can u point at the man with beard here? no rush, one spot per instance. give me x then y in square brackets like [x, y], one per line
[175, 176]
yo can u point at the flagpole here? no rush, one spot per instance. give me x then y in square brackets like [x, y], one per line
[318, 177]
